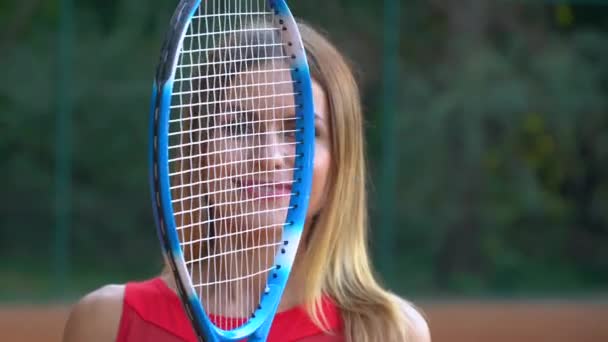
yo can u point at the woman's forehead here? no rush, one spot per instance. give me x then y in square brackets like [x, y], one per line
[263, 79]
[270, 92]
[267, 91]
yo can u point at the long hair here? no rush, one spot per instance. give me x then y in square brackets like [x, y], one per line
[336, 260]
[335, 257]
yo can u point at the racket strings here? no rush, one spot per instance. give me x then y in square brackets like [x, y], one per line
[209, 206]
[244, 135]
[249, 174]
[235, 120]
[222, 102]
[228, 220]
[235, 233]
[199, 77]
[223, 63]
[207, 154]
[228, 163]
[232, 143]
[242, 251]
[233, 87]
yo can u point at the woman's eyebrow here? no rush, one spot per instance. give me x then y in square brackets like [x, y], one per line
[243, 114]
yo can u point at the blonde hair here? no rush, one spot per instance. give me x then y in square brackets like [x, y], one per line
[337, 263]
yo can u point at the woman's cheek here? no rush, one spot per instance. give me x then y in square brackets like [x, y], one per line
[319, 183]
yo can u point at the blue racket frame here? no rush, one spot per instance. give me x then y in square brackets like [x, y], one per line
[258, 326]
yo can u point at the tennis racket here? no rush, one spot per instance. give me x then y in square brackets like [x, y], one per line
[231, 157]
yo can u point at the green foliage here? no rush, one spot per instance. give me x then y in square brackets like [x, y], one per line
[503, 144]
[503, 168]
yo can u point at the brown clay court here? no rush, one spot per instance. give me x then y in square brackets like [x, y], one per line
[454, 322]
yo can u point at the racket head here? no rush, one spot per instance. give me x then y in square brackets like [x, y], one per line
[169, 221]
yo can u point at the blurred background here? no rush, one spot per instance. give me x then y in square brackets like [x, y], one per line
[487, 131]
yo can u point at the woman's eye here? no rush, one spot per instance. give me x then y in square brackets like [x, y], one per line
[245, 128]
[236, 127]
[290, 133]
[289, 129]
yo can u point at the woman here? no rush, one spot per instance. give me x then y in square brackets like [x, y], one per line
[332, 294]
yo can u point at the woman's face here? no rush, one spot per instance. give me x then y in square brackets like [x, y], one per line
[250, 155]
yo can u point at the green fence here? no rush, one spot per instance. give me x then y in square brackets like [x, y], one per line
[486, 122]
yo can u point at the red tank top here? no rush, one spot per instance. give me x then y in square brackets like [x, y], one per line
[153, 312]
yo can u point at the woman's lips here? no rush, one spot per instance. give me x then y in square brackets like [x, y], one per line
[265, 189]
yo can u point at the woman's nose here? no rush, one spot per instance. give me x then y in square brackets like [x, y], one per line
[274, 152]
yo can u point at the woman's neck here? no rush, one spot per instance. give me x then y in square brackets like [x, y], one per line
[231, 293]
[228, 300]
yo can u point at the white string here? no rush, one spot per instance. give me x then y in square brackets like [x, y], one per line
[249, 275]
[248, 306]
[213, 116]
[190, 162]
[216, 237]
[236, 149]
[235, 251]
[238, 89]
[242, 136]
[207, 154]
[240, 123]
[186, 198]
[223, 219]
[234, 100]
[249, 200]
[223, 63]
[231, 243]
[220, 212]
[231, 115]
[244, 175]
[216, 267]
[233, 74]
[213, 167]
[237, 86]
[273, 116]
[233, 31]
[228, 14]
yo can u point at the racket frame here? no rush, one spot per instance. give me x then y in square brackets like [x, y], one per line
[258, 326]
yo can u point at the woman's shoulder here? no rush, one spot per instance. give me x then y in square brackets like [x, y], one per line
[416, 321]
[96, 316]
